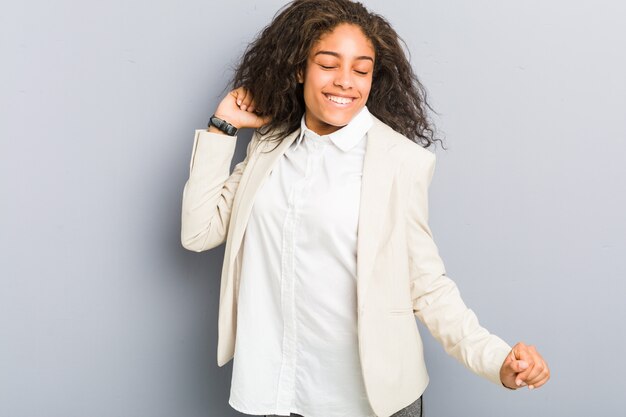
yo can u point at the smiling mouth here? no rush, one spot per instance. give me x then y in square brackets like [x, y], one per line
[339, 100]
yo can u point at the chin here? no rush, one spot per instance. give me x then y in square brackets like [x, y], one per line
[339, 119]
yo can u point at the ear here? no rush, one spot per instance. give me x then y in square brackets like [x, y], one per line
[300, 77]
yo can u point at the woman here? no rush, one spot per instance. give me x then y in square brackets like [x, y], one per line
[329, 257]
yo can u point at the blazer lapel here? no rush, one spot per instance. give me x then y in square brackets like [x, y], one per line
[378, 172]
[260, 169]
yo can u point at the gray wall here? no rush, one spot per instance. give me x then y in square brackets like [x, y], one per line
[103, 313]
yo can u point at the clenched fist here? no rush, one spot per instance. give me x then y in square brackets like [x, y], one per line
[238, 109]
[524, 366]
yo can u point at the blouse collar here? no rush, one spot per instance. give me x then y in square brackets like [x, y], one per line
[345, 138]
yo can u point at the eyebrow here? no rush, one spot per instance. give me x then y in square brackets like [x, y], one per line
[339, 55]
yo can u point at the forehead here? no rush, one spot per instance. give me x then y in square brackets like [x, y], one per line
[346, 39]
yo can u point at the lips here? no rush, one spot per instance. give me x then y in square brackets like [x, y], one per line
[339, 99]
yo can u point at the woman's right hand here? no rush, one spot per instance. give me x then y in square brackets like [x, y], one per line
[238, 109]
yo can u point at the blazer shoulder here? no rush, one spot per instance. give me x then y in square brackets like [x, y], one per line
[404, 146]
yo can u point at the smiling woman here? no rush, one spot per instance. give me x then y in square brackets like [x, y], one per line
[338, 78]
[329, 257]
[271, 69]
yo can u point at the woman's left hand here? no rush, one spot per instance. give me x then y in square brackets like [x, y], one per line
[524, 366]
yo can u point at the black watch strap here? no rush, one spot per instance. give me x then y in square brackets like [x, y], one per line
[222, 125]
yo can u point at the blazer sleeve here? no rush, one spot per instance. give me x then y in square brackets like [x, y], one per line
[436, 298]
[209, 192]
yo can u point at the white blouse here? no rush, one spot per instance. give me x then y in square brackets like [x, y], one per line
[296, 348]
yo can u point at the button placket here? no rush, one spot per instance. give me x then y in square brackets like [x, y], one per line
[286, 381]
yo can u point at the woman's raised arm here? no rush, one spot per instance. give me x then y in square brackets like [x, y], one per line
[209, 192]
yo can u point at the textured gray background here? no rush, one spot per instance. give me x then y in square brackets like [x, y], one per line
[103, 313]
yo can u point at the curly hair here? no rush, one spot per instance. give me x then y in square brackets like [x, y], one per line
[270, 64]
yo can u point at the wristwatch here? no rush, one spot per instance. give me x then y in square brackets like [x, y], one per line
[222, 125]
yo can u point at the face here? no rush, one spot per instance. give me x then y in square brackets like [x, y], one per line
[338, 78]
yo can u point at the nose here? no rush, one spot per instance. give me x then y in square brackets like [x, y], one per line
[344, 78]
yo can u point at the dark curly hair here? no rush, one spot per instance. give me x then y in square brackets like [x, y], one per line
[270, 64]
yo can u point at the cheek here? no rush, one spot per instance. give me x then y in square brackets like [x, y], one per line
[313, 90]
[309, 94]
[365, 87]
[316, 82]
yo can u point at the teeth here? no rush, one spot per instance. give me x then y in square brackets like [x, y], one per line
[340, 100]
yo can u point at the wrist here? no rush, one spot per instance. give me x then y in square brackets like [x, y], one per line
[227, 118]
[222, 124]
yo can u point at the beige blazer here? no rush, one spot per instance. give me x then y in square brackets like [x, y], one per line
[400, 275]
